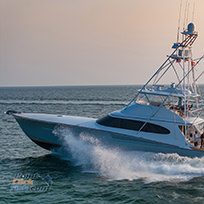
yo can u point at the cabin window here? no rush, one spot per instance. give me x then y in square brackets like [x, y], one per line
[109, 121]
[149, 127]
[132, 125]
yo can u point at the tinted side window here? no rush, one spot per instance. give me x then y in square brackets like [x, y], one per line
[132, 125]
[109, 121]
[149, 127]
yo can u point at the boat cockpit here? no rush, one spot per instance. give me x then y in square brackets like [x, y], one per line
[194, 126]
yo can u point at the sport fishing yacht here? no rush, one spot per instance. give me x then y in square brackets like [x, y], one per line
[160, 118]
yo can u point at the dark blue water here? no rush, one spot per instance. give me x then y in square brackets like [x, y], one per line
[94, 174]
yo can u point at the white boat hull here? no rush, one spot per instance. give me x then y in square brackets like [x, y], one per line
[41, 130]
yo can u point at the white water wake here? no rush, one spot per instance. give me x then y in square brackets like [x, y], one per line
[88, 152]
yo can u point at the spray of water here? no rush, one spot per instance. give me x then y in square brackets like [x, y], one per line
[88, 152]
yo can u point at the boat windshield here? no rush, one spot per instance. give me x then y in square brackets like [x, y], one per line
[176, 100]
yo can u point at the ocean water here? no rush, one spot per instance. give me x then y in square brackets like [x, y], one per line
[88, 172]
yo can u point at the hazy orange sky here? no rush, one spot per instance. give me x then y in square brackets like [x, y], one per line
[89, 42]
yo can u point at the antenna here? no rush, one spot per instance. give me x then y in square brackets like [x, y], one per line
[184, 20]
[179, 21]
[187, 12]
[193, 11]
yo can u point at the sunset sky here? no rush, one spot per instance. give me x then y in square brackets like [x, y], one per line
[89, 42]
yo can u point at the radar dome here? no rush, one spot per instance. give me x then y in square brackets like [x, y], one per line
[191, 28]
